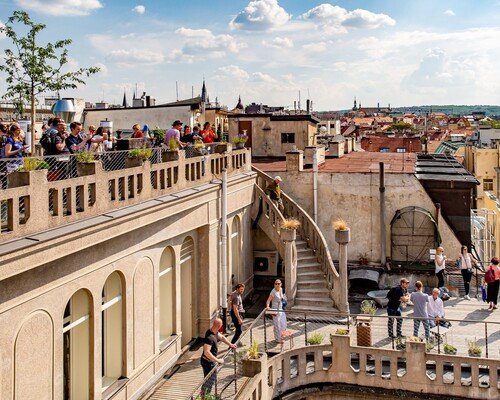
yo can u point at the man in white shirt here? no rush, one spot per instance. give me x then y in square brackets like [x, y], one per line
[435, 310]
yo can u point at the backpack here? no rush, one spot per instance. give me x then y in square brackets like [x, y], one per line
[489, 276]
[48, 141]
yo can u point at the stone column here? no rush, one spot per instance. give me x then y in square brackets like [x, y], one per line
[290, 260]
[207, 276]
[343, 237]
[294, 161]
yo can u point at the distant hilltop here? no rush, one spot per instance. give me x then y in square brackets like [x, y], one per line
[451, 109]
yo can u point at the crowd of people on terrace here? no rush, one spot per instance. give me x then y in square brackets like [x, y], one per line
[60, 138]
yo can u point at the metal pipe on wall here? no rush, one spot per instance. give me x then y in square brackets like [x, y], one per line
[315, 185]
[383, 257]
[223, 235]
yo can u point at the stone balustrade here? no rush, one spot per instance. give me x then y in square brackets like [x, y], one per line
[412, 369]
[32, 203]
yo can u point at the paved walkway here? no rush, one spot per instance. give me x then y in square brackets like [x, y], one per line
[188, 374]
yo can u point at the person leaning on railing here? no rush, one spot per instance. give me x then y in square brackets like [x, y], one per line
[14, 148]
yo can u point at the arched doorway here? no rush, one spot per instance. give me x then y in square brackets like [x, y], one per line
[413, 232]
[112, 330]
[186, 289]
[236, 250]
[76, 341]
[167, 293]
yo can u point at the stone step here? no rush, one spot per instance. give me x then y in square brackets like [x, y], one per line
[314, 301]
[308, 258]
[311, 284]
[327, 309]
[307, 267]
[307, 291]
[301, 244]
[309, 273]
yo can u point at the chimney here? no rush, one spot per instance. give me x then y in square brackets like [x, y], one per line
[308, 106]
[148, 101]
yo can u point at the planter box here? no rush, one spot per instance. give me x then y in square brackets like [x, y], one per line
[84, 169]
[170, 155]
[240, 145]
[223, 148]
[199, 152]
[18, 178]
[133, 162]
[288, 235]
[250, 368]
[364, 331]
[343, 237]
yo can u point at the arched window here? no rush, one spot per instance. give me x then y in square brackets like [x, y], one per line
[236, 250]
[112, 330]
[186, 289]
[76, 341]
[167, 294]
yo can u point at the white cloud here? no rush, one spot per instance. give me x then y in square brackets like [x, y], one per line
[260, 15]
[65, 8]
[139, 9]
[231, 72]
[262, 77]
[204, 42]
[317, 47]
[103, 69]
[449, 13]
[278, 43]
[136, 56]
[335, 19]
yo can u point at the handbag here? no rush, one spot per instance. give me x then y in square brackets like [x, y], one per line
[284, 301]
[489, 276]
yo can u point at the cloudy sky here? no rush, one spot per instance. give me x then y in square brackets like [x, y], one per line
[389, 51]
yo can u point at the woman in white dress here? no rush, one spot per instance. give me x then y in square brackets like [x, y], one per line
[275, 302]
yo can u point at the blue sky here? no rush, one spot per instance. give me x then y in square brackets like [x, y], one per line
[387, 51]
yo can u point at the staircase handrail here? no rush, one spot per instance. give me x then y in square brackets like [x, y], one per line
[310, 232]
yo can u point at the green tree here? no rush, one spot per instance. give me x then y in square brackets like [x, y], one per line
[33, 69]
[401, 126]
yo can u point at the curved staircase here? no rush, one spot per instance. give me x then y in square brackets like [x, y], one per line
[317, 283]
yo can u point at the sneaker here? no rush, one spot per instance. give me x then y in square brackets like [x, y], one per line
[467, 297]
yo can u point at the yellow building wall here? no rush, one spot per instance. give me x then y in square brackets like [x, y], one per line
[482, 163]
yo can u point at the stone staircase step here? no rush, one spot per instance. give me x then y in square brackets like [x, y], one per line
[306, 259]
[308, 291]
[301, 244]
[302, 308]
[309, 264]
[310, 274]
[314, 301]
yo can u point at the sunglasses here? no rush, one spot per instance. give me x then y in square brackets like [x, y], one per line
[277, 284]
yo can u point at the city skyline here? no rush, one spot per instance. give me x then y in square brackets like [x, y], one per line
[268, 50]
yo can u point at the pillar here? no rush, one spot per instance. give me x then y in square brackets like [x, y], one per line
[290, 260]
[342, 237]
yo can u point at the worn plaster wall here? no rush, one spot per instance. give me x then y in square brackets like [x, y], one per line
[354, 197]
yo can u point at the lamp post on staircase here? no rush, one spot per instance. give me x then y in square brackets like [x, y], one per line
[342, 237]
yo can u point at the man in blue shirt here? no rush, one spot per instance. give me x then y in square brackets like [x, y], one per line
[74, 141]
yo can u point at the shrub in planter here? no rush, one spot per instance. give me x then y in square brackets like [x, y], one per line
[474, 349]
[21, 176]
[315, 338]
[252, 364]
[136, 157]
[289, 227]
[342, 231]
[450, 349]
[85, 163]
[239, 141]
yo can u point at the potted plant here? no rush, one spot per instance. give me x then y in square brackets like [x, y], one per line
[136, 157]
[85, 163]
[240, 140]
[342, 331]
[400, 343]
[172, 154]
[474, 349]
[252, 364]
[199, 148]
[364, 323]
[342, 231]
[158, 136]
[315, 338]
[21, 176]
[450, 349]
[223, 147]
[289, 228]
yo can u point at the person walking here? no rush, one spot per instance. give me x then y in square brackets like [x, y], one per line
[237, 311]
[492, 278]
[208, 359]
[396, 296]
[420, 301]
[440, 264]
[275, 302]
[273, 190]
[466, 262]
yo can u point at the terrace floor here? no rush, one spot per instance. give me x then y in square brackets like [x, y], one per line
[187, 375]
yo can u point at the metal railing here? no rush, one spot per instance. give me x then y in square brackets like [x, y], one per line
[313, 328]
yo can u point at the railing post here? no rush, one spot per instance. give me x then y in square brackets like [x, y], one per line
[234, 371]
[305, 327]
[265, 332]
[438, 339]
[486, 337]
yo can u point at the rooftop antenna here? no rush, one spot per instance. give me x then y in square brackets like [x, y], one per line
[299, 100]
[192, 91]
[177, 90]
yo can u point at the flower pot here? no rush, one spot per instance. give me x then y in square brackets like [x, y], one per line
[133, 162]
[222, 148]
[170, 155]
[450, 352]
[240, 145]
[199, 152]
[343, 237]
[84, 169]
[472, 354]
[288, 235]
[250, 368]
[22, 178]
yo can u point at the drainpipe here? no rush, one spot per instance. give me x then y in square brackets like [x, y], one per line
[383, 257]
[223, 235]
[315, 185]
